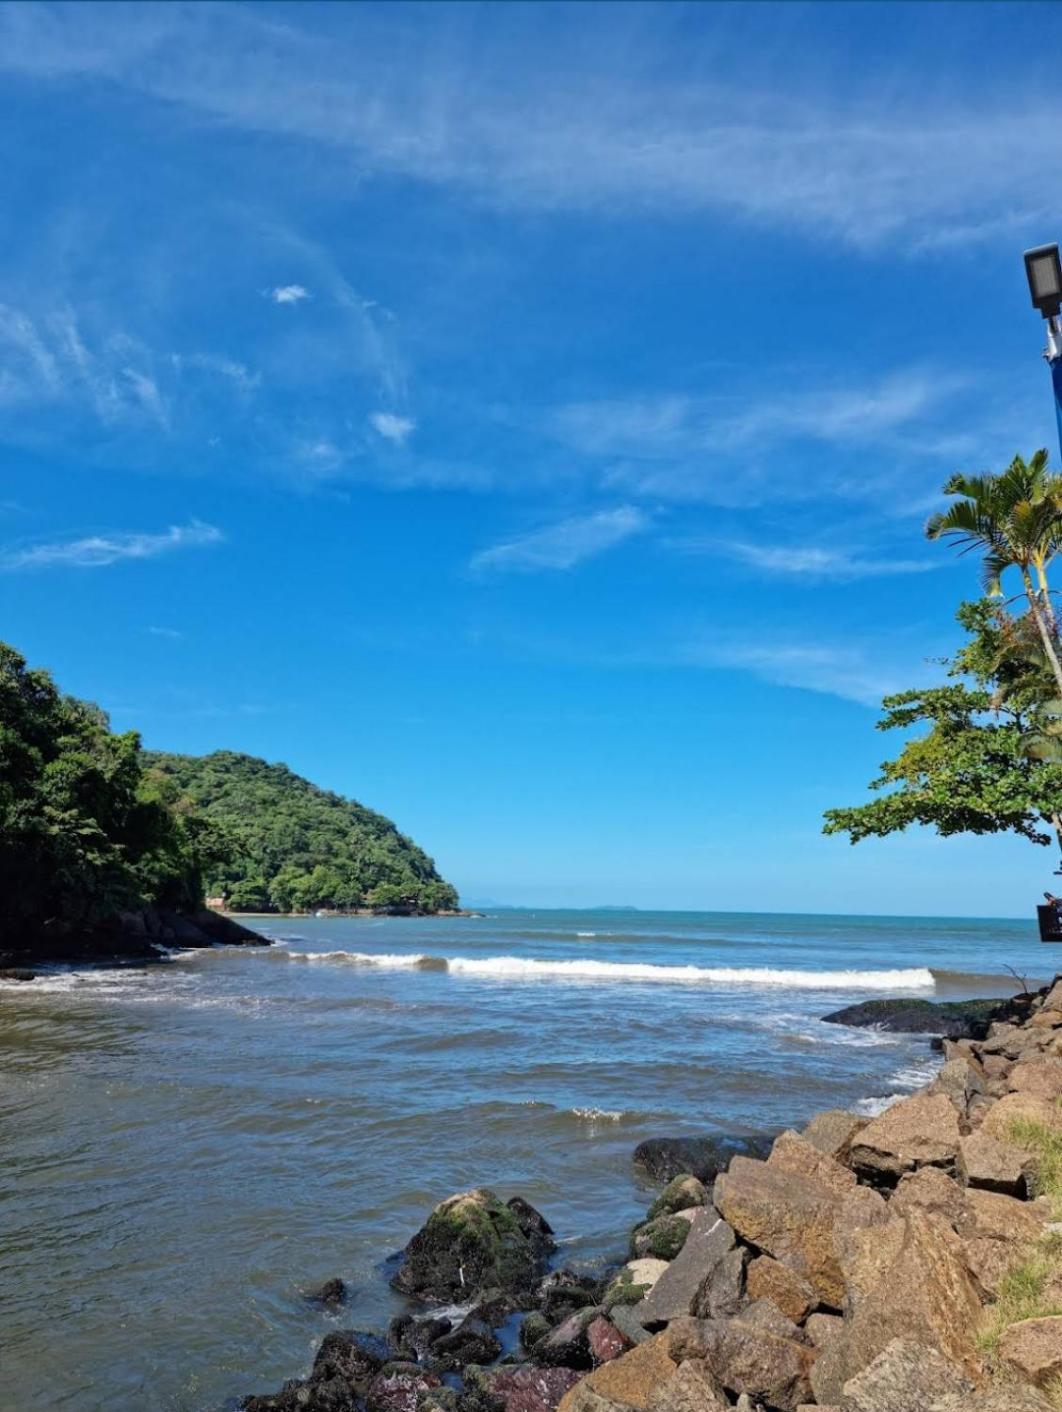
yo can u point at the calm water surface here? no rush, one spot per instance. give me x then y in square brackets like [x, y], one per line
[188, 1147]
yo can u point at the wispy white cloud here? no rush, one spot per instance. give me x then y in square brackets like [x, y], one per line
[289, 293]
[393, 427]
[849, 162]
[99, 550]
[171, 633]
[235, 372]
[847, 672]
[563, 545]
[806, 561]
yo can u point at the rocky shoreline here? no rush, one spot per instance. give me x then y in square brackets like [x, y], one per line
[143, 936]
[910, 1262]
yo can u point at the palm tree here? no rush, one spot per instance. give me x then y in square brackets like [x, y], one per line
[1016, 520]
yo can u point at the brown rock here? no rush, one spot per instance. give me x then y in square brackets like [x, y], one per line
[832, 1131]
[903, 1376]
[692, 1389]
[1019, 1107]
[605, 1340]
[629, 1380]
[770, 1279]
[746, 1358]
[995, 1066]
[998, 1397]
[929, 1189]
[959, 1081]
[793, 1153]
[987, 1163]
[788, 1215]
[1053, 998]
[1033, 1348]
[1046, 1019]
[1042, 1077]
[859, 1208]
[823, 1328]
[922, 1131]
[765, 1314]
[907, 1279]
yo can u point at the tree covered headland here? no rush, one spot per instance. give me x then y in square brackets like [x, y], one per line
[294, 847]
[87, 831]
[986, 755]
[94, 829]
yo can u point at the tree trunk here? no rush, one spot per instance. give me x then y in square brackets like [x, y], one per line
[1049, 607]
[1046, 635]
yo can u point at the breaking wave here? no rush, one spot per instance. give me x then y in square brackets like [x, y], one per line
[583, 968]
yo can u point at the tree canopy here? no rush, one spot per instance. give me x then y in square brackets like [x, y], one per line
[295, 847]
[85, 832]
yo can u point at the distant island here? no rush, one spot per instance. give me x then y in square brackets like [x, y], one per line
[293, 847]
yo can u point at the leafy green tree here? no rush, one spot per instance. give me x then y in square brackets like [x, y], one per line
[85, 832]
[974, 769]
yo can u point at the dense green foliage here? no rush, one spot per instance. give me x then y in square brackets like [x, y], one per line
[990, 758]
[295, 847]
[980, 767]
[85, 832]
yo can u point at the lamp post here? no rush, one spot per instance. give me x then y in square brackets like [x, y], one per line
[1043, 269]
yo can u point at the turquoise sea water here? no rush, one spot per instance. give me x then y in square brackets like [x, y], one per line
[188, 1147]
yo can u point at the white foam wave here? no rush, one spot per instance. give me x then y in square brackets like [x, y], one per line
[520, 968]
[585, 968]
[388, 961]
[872, 1107]
[598, 1115]
[586, 934]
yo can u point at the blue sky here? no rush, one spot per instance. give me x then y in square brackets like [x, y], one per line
[523, 417]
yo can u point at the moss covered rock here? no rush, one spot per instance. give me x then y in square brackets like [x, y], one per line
[680, 1194]
[662, 1238]
[471, 1242]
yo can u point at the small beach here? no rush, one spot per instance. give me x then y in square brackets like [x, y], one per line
[193, 1146]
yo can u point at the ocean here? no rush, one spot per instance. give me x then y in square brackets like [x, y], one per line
[188, 1148]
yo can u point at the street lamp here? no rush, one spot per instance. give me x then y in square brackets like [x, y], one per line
[1043, 269]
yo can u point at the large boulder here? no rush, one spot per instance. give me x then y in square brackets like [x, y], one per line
[663, 1158]
[1018, 1108]
[629, 1381]
[953, 1018]
[748, 1358]
[832, 1131]
[919, 1132]
[907, 1279]
[986, 1162]
[472, 1242]
[352, 1357]
[692, 1388]
[997, 1397]
[768, 1278]
[397, 1388]
[679, 1288]
[524, 1388]
[790, 1216]
[1041, 1076]
[904, 1376]
[1033, 1349]
[680, 1194]
[568, 1345]
[663, 1237]
[793, 1153]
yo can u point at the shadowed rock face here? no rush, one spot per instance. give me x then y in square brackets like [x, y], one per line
[949, 1018]
[663, 1158]
[473, 1242]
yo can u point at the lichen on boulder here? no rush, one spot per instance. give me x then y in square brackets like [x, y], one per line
[475, 1241]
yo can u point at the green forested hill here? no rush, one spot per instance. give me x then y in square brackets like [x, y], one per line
[296, 847]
